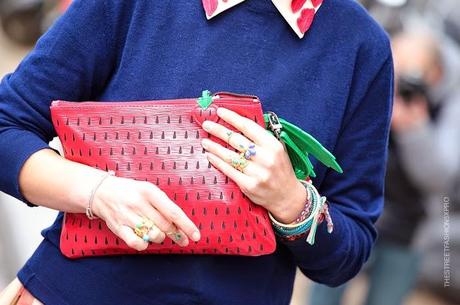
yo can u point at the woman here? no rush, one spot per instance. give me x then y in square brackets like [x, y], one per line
[335, 83]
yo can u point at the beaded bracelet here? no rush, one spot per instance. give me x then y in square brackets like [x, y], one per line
[315, 210]
[306, 210]
[298, 227]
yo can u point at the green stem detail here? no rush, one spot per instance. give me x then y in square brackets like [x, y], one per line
[205, 100]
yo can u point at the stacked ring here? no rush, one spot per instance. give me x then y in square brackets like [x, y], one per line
[249, 151]
[143, 229]
[229, 135]
[240, 163]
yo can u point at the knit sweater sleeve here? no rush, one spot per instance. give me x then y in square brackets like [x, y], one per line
[355, 197]
[72, 61]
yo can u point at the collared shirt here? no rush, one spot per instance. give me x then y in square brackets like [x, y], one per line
[299, 14]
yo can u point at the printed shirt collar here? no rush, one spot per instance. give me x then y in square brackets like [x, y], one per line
[298, 13]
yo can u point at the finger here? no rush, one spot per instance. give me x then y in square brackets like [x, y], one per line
[173, 213]
[123, 226]
[131, 239]
[132, 220]
[249, 128]
[166, 226]
[137, 222]
[228, 156]
[156, 235]
[179, 238]
[159, 220]
[241, 179]
[234, 139]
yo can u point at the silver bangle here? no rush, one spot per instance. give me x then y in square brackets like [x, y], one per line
[89, 208]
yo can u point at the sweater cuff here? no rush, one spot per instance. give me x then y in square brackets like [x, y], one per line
[330, 260]
[16, 147]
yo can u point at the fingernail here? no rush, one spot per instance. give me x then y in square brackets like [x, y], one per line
[204, 143]
[184, 243]
[208, 156]
[196, 236]
[207, 125]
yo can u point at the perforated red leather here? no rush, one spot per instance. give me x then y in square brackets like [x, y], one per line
[159, 142]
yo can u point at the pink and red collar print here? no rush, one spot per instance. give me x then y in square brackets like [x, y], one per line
[298, 13]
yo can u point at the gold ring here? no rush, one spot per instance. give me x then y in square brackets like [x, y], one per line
[176, 236]
[229, 135]
[239, 163]
[143, 229]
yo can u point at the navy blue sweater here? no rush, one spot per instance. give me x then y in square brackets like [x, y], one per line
[336, 83]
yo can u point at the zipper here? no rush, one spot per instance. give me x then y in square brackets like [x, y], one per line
[117, 103]
[221, 96]
[227, 95]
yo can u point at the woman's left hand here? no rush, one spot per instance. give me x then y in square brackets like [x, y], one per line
[268, 178]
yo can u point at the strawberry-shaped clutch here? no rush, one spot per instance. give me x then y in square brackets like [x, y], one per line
[160, 142]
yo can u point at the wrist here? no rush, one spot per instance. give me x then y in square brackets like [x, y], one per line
[316, 209]
[288, 211]
[85, 192]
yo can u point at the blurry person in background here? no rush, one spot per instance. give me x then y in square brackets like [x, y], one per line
[395, 15]
[24, 21]
[21, 19]
[427, 125]
[423, 162]
[427, 132]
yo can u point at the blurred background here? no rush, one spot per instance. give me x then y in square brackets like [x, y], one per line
[416, 258]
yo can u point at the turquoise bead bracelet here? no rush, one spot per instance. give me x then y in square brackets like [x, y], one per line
[285, 230]
[317, 206]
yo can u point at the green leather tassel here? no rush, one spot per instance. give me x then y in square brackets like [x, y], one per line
[299, 144]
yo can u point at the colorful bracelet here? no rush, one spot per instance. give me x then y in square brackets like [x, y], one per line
[316, 209]
[306, 210]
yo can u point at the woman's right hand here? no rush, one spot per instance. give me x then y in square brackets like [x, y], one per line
[124, 203]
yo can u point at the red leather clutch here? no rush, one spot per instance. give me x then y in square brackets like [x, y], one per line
[159, 141]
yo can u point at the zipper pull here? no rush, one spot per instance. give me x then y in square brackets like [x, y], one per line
[274, 124]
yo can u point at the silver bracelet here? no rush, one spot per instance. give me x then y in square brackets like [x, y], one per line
[89, 208]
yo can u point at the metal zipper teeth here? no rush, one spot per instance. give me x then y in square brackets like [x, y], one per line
[253, 99]
[237, 95]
